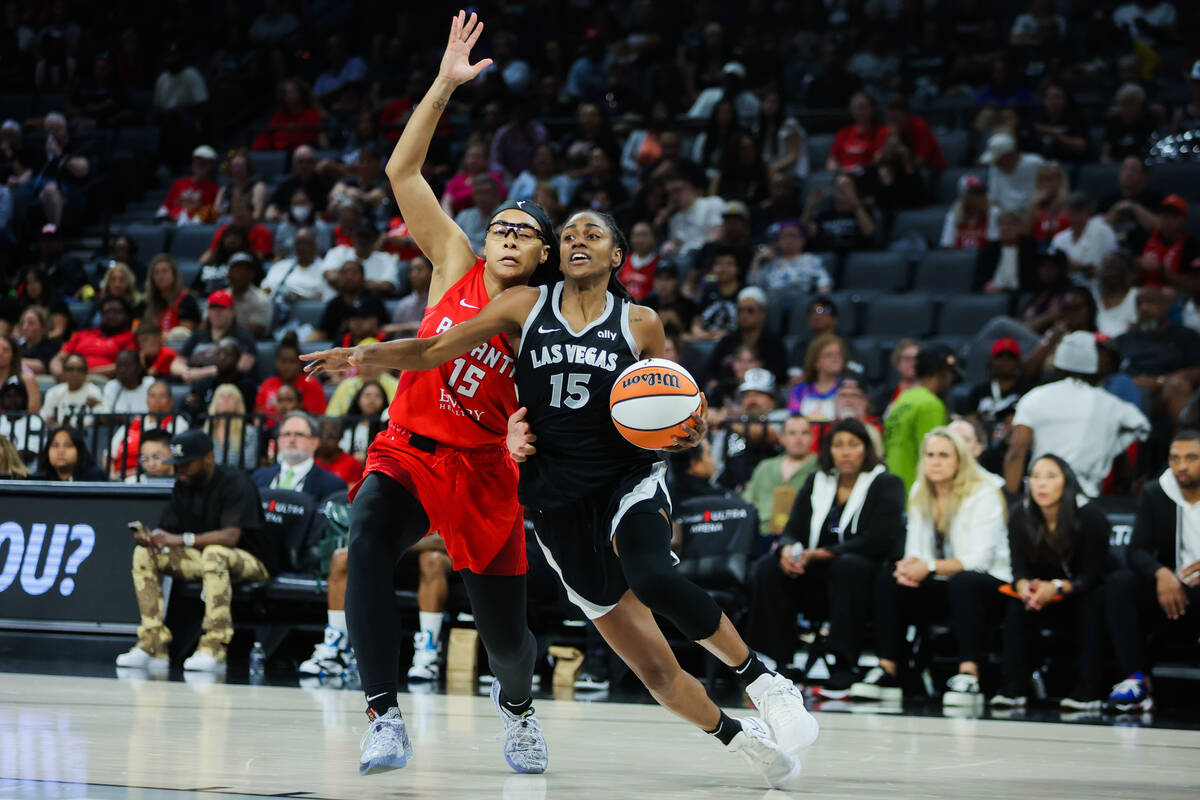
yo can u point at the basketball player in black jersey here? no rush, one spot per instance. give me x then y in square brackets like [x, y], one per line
[599, 504]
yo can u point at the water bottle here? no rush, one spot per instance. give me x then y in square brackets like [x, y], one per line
[258, 664]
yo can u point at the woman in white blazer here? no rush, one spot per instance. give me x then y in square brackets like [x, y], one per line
[956, 555]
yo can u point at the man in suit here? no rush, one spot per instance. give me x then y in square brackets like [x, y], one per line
[294, 469]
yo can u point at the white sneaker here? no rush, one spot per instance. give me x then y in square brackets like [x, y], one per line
[962, 690]
[329, 658]
[756, 747]
[1007, 701]
[781, 704]
[385, 745]
[426, 665]
[524, 747]
[140, 659]
[201, 661]
[878, 685]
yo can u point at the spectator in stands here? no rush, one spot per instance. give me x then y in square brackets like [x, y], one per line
[824, 363]
[287, 400]
[832, 84]
[1111, 379]
[785, 264]
[843, 222]
[76, 398]
[775, 481]
[194, 198]
[1163, 358]
[1059, 551]
[239, 169]
[856, 145]
[691, 475]
[1131, 211]
[1084, 425]
[993, 402]
[671, 161]
[300, 276]
[1170, 256]
[904, 367]
[1087, 240]
[894, 181]
[301, 215]
[970, 222]
[99, 346]
[12, 369]
[846, 520]
[1187, 116]
[25, 430]
[342, 71]
[674, 308]
[352, 296]
[295, 469]
[752, 331]
[1077, 312]
[57, 184]
[920, 410]
[62, 274]
[718, 138]
[543, 166]
[1043, 308]
[304, 176]
[726, 377]
[118, 281]
[168, 301]
[126, 442]
[180, 94]
[410, 309]
[732, 89]
[1008, 263]
[365, 185]
[124, 251]
[692, 218]
[1011, 173]
[235, 438]
[258, 236]
[474, 220]
[274, 25]
[718, 297]
[36, 347]
[588, 75]
[153, 459]
[914, 132]
[1048, 209]
[197, 355]
[370, 408]
[296, 120]
[592, 131]
[12, 468]
[251, 306]
[643, 146]
[288, 369]
[1057, 130]
[782, 139]
[125, 393]
[457, 196]
[347, 390]
[201, 393]
[748, 434]
[66, 458]
[331, 457]
[1116, 299]
[1158, 591]
[211, 529]
[976, 439]
[637, 273]
[599, 186]
[214, 275]
[515, 142]
[1129, 128]
[379, 268]
[955, 558]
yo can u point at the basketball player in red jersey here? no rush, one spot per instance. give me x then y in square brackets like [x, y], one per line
[441, 464]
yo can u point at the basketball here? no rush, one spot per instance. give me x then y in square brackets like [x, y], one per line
[651, 400]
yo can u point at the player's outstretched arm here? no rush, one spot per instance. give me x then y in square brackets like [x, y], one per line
[442, 241]
[506, 314]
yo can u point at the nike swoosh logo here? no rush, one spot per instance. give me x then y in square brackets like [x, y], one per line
[465, 304]
[374, 696]
[546, 330]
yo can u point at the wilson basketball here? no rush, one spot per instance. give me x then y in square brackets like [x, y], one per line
[651, 400]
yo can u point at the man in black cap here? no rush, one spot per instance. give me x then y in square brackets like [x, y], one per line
[919, 410]
[210, 530]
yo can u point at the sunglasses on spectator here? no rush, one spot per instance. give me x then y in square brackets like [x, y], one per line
[520, 231]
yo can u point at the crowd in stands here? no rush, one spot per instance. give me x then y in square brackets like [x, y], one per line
[859, 221]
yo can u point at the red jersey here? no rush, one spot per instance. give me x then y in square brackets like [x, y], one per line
[262, 242]
[101, 350]
[466, 402]
[971, 235]
[854, 149]
[1046, 224]
[290, 129]
[639, 280]
[1174, 257]
[920, 139]
[345, 466]
[312, 396]
[203, 192]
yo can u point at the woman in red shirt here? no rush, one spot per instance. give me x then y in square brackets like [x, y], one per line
[856, 145]
[296, 122]
[288, 371]
[168, 301]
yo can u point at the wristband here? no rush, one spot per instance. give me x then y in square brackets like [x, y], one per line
[932, 565]
[1058, 585]
[189, 540]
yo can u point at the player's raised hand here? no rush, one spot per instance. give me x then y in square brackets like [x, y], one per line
[456, 61]
[520, 437]
[337, 359]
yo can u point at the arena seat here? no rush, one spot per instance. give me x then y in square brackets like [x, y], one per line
[308, 311]
[266, 357]
[150, 240]
[875, 269]
[869, 351]
[269, 164]
[190, 241]
[189, 268]
[955, 146]
[1098, 181]
[945, 271]
[908, 314]
[964, 315]
[819, 145]
[1177, 177]
[926, 221]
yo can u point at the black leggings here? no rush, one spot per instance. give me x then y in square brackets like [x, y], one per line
[643, 540]
[386, 520]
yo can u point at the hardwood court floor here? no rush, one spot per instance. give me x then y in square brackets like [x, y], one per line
[71, 737]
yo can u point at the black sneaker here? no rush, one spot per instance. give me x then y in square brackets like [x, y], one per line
[837, 686]
[878, 685]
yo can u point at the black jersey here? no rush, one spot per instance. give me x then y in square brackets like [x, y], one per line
[564, 379]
